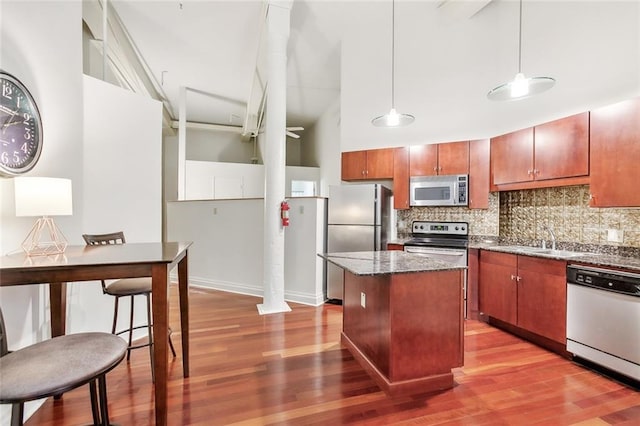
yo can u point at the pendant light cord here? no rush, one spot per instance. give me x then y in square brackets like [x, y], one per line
[520, 41]
[393, 53]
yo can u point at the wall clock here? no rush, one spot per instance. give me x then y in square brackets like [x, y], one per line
[20, 127]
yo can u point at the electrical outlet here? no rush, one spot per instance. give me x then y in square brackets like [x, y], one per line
[215, 210]
[363, 300]
[615, 235]
[301, 209]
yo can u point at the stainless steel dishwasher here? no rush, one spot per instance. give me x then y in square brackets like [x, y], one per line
[603, 318]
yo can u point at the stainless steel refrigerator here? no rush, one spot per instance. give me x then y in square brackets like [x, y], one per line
[358, 219]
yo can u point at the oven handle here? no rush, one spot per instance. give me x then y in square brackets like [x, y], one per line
[448, 253]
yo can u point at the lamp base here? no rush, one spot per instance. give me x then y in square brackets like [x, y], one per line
[34, 245]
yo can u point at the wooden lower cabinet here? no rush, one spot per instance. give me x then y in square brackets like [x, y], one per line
[405, 329]
[524, 291]
[393, 246]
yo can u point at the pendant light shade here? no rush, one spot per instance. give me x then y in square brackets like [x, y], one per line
[521, 87]
[393, 118]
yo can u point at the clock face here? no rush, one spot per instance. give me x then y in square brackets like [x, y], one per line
[20, 127]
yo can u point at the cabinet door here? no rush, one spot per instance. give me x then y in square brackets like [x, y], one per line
[498, 288]
[401, 178]
[354, 165]
[453, 158]
[512, 157]
[479, 174]
[562, 148]
[423, 160]
[542, 297]
[380, 164]
[615, 155]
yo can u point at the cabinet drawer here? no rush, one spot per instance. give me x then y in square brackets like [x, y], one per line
[542, 265]
[498, 258]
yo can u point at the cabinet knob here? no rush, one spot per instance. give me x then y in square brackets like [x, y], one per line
[518, 279]
[529, 172]
[435, 169]
[536, 171]
[513, 277]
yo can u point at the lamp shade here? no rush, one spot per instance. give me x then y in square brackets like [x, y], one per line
[43, 196]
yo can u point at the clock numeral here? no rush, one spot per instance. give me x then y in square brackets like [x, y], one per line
[4, 157]
[16, 156]
[7, 90]
[18, 99]
[25, 148]
[27, 133]
[27, 117]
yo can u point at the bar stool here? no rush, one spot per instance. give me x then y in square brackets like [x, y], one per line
[128, 287]
[58, 365]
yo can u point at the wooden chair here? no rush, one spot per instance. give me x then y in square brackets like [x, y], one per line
[58, 365]
[128, 287]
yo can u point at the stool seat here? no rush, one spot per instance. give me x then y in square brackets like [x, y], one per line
[58, 365]
[129, 286]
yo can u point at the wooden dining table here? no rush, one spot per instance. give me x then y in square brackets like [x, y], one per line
[131, 260]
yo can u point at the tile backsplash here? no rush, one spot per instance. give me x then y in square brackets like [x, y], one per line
[566, 210]
[521, 215]
[481, 221]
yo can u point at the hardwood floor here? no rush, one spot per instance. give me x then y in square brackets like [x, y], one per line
[289, 368]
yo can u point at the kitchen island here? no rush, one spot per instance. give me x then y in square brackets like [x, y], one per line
[403, 318]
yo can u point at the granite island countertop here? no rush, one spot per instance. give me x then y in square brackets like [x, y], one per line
[386, 262]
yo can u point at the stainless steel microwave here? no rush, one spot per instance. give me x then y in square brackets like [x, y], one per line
[448, 190]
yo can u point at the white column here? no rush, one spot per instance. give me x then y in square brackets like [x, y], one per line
[277, 38]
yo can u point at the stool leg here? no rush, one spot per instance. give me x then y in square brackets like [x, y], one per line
[17, 412]
[94, 402]
[102, 391]
[173, 350]
[115, 316]
[150, 332]
[130, 329]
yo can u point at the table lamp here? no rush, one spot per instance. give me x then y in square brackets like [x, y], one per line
[45, 197]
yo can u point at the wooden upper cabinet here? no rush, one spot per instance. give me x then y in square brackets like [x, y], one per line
[561, 148]
[423, 160]
[401, 178]
[615, 155]
[439, 159]
[453, 158]
[380, 163]
[368, 164]
[354, 165]
[512, 157]
[479, 174]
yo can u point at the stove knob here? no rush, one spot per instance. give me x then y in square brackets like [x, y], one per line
[456, 228]
[462, 228]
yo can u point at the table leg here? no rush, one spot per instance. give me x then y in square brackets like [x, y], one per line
[159, 276]
[183, 287]
[58, 306]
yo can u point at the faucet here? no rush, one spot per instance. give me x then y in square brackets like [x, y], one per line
[552, 234]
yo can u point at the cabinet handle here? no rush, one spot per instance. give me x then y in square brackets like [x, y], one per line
[435, 169]
[536, 171]
[518, 279]
[513, 277]
[529, 172]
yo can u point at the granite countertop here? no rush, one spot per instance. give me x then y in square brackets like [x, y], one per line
[595, 259]
[386, 262]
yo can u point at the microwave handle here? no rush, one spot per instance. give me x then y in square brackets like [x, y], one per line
[456, 193]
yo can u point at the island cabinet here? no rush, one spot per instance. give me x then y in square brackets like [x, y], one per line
[526, 292]
[369, 164]
[439, 159]
[405, 329]
[553, 153]
[615, 155]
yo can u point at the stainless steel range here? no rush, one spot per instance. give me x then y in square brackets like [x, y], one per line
[446, 241]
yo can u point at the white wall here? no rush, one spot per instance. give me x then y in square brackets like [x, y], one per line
[122, 162]
[214, 180]
[48, 59]
[54, 77]
[326, 147]
[589, 47]
[227, 252]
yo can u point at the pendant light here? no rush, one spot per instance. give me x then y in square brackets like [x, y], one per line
[521, 87]
[393, 118]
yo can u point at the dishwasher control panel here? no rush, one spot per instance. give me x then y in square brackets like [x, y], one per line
[605, 279]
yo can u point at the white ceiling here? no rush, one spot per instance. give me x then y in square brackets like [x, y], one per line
[449, 54]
